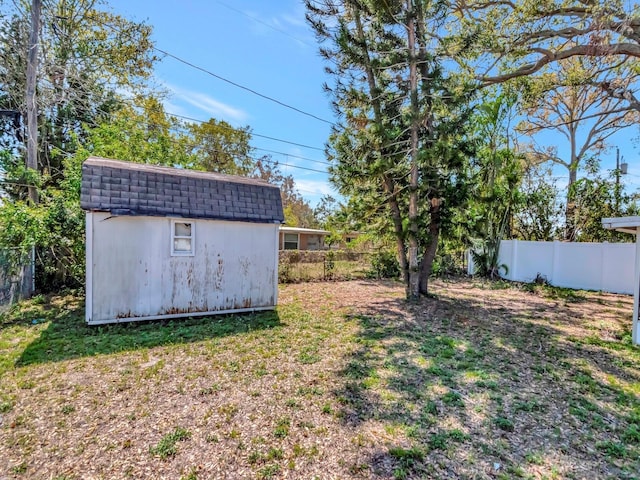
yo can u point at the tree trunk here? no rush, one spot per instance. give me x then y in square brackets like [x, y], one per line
[430, 251]
[569, 212]
[413, 287]
[396, 217]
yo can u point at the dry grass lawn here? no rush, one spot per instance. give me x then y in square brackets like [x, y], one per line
[345, 380]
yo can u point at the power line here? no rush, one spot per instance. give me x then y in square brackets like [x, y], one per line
[292, 156]
[231, 82]
[182, 129]
[219, 77]
[253, 134]
[263, 159]
[257, 20]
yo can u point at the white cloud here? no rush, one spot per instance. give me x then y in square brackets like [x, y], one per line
[174, 108]
[292, 24]
[208, 104]
[317, 187]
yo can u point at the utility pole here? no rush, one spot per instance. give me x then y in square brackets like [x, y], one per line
[30, 96]
[621, 169]
[28, 272]
[617, 192]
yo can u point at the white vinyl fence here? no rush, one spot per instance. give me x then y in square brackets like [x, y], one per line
[608, 267]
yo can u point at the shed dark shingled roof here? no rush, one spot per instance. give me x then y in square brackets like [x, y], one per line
[125, 188]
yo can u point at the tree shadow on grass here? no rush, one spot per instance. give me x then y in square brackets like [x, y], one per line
[68, 336]
[453, 378]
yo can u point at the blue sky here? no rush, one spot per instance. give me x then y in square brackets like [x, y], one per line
[267, 46]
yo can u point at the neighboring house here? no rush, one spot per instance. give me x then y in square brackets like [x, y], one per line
[294, 238]
[165, 242]
[349, 241]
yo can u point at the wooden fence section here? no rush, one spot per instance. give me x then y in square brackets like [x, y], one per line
[608, 267]
[16, 278]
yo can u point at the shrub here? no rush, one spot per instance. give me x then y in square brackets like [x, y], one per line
[384, 264]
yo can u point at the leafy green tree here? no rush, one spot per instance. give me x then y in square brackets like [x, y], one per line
[143, 134]
[538, 216]
[583, 115]
[595, 197]
[523, 37]
[88, 56]
[400, 148]
[497, 173]
[218, 147]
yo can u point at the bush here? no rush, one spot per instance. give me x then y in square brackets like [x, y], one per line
[447, 264]
[384, 264]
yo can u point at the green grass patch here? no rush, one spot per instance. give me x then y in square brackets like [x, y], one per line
[504, 423]
[166, 447]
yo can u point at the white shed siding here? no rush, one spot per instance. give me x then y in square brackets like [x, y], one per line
[132, 275]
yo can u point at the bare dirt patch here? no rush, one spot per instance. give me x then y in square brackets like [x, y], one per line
[347, 380]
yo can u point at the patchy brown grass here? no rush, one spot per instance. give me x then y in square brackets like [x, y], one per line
[484, 380]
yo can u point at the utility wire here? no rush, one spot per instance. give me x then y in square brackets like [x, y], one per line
[257, 20]
[253, 134]
[183, 130]
[219, 77]
[263, 159]
[292, 156]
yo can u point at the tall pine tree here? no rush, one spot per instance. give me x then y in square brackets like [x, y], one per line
[400, 149]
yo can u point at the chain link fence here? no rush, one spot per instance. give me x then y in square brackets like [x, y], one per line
[16, 276]
[318, 265]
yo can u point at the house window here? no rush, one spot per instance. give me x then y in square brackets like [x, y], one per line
[182, 238]
[291, 241]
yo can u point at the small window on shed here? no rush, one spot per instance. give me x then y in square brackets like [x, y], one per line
[291, 241]
[182, 238]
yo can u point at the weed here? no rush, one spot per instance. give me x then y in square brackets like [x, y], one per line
[612, 449]
[192, 475]
[528, 406]
[488, 384]
[166, 447]
[228, 410]
[209, 390]
[309, 355]
[632, 434]
[430, 408]
[535, 458]
[504, 424]
[275, 454]
[19, 469]
[67, 409]
[5, 406]
[255, 457]
[407, 460]
[282, 428]
[453, 398]
[310, 391]
[268, 472]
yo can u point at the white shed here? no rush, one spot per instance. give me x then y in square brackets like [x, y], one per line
[164, 242]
